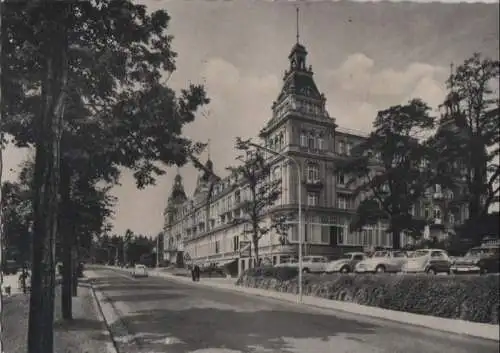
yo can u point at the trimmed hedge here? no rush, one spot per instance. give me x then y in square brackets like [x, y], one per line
[471, 298]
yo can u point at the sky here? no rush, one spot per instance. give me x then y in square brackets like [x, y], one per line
[366, 56]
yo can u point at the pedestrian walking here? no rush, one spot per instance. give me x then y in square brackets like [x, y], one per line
[193, 273]
[23, 279]
[197, 273]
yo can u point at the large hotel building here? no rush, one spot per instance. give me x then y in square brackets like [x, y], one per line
[198, 231]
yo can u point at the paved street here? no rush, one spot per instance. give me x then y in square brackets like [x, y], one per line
[161, 315]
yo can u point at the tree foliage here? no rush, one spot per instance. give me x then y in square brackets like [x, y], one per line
[129, 248]
[102, 73]
[260, 192]
[17, 220]
[93, 207]
[387, 168]
[118, 111]
[466, 144]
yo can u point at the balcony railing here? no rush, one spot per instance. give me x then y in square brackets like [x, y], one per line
[313, 184]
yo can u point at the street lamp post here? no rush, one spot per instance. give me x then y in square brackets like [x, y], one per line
[158, 251]
[301, 240]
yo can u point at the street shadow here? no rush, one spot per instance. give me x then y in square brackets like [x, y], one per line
[141, 288]
[106, 280]
[143, 297]
[78, 325]
[180, 331]
[86, 284]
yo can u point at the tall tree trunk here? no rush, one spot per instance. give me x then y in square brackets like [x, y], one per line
[1, 196]
[255, 241]
[66, 234]
[46, 185]
[396, 239]
[76, 259]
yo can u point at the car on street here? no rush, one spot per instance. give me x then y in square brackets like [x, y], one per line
[10, 267]
[290, 262]
[346, 263]
[382, 261]
[140, 271]
[431, 261]
[314, 264]
[482, 259]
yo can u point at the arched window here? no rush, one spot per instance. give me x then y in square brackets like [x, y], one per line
[321, 142]
[437, 213]
[312, 172]
[312, 140]
[303, 139]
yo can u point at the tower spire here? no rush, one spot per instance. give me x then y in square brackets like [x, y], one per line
[297, 23]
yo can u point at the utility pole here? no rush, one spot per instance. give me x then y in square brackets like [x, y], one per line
[158, 250]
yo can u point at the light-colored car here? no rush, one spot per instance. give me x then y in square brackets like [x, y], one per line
[382, 261]
[140, 271]
[346, 263]
[314, 264]
[431, 261]
[483, 259]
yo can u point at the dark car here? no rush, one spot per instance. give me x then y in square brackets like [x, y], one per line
[10, 267]
[482, 259]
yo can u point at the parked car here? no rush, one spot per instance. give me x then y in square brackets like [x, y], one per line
[10, 267]
[431, 261]
[291, 262]
[482, 259]
[382, 261]
[140, 271]
[346, 263]
[315, 264]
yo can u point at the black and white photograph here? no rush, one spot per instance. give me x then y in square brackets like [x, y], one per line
[249, 176]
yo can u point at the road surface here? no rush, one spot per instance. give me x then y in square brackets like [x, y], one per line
[162, 315]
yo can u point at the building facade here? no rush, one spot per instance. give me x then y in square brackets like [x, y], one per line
[200, 229]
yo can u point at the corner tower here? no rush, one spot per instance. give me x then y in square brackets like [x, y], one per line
[298, 100]
[301, 126]
[177, 198]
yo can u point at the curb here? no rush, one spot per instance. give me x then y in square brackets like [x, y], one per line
[111, 317]
[454, 326]
[111, 347]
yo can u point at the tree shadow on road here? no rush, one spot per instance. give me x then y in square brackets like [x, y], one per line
[134, 287]
[143, 297]
[181, 331]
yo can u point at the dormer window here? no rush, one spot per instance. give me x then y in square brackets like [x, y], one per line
[348, 149]
[341, 147]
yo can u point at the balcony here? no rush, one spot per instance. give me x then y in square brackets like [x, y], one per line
[438, 196]
[313, 184]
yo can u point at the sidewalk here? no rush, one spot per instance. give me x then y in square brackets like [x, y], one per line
[87, 332]
[12, 282]
[460, 327]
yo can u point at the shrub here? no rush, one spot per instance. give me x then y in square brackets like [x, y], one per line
[471, 298]
[278, 273]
